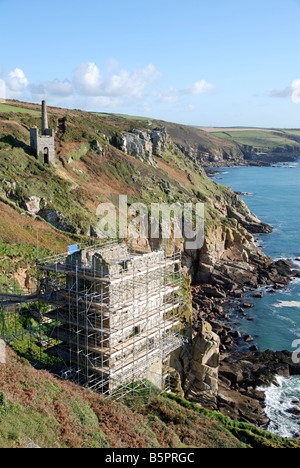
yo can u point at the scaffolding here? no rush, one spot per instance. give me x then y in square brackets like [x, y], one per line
[116, 314]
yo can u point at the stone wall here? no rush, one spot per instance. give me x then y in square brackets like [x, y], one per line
[43, 144]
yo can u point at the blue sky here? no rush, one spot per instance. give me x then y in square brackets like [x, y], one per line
[217, 63]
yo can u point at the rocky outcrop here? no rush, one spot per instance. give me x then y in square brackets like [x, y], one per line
[202, 373]
[139, 144]
[160, 139]
[145, 144]
[241, 373]
[58, 220]
[32, 205]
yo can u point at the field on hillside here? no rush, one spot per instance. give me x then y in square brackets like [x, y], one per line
[21, 110]
[264, 139]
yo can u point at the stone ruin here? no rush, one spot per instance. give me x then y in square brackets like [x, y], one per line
[43, 144]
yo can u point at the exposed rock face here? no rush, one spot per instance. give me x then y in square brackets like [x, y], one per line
[202, 375]
[239, 376]
[215, 157]
[229, 255]
[57, 219]
[145, 144]
[139, 144]
[33, 205]
[159, 138]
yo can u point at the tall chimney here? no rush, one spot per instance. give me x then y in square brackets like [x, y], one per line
[44, 117]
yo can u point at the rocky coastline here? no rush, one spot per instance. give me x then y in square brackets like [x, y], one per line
[243, 367]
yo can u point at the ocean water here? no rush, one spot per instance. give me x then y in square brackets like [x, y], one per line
[273, 194]
[279, 401]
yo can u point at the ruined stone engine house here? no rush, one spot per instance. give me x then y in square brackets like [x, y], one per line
[43, 143]
[118, 314]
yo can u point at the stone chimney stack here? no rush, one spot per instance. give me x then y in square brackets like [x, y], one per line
[43, 143]
[44, 117]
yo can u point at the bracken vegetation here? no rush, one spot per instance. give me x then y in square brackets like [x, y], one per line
[36, 407]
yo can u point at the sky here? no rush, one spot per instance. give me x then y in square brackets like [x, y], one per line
[205, 63]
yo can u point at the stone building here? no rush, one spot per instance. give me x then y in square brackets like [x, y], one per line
[43, 144]
[117, 314]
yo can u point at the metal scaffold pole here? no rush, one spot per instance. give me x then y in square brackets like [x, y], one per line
[113, 314]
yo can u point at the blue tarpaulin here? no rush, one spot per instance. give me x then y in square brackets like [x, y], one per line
[73, 248]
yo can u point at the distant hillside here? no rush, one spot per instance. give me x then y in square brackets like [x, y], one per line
[206, 146]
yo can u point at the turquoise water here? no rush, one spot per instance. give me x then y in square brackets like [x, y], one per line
[274, 196]
[275, 199]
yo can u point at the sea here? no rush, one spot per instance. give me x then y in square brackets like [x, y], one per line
[273, 194]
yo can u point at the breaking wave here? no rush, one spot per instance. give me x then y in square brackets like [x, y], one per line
[283, 406]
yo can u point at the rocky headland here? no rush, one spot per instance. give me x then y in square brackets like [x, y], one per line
[229, 269]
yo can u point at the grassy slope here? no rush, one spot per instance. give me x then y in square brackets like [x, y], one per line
[69, 416]
[17, 109]
[83, 179]
[37, 407]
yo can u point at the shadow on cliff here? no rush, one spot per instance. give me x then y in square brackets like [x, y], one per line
[16, 143]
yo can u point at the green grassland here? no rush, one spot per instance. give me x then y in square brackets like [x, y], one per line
[260, 139]
[21, 110]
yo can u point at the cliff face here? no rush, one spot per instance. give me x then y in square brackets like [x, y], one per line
[145, 144]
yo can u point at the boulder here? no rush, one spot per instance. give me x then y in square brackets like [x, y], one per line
[205, 359]
[258, 295]
[295, 411]
[32, 205]
[248, 339]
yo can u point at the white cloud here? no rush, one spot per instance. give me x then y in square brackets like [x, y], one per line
[87, 79]
[89, 88]
[112, 64]
[169, 96]
[2, 90]
[130, 84]
[16, 83]
[172, 94]
[296, 91]
[190, 108]
[199, 87]
[55, 90]
[59, 89]
[292, 91]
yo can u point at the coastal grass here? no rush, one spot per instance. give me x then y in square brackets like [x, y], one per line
[20, 110]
